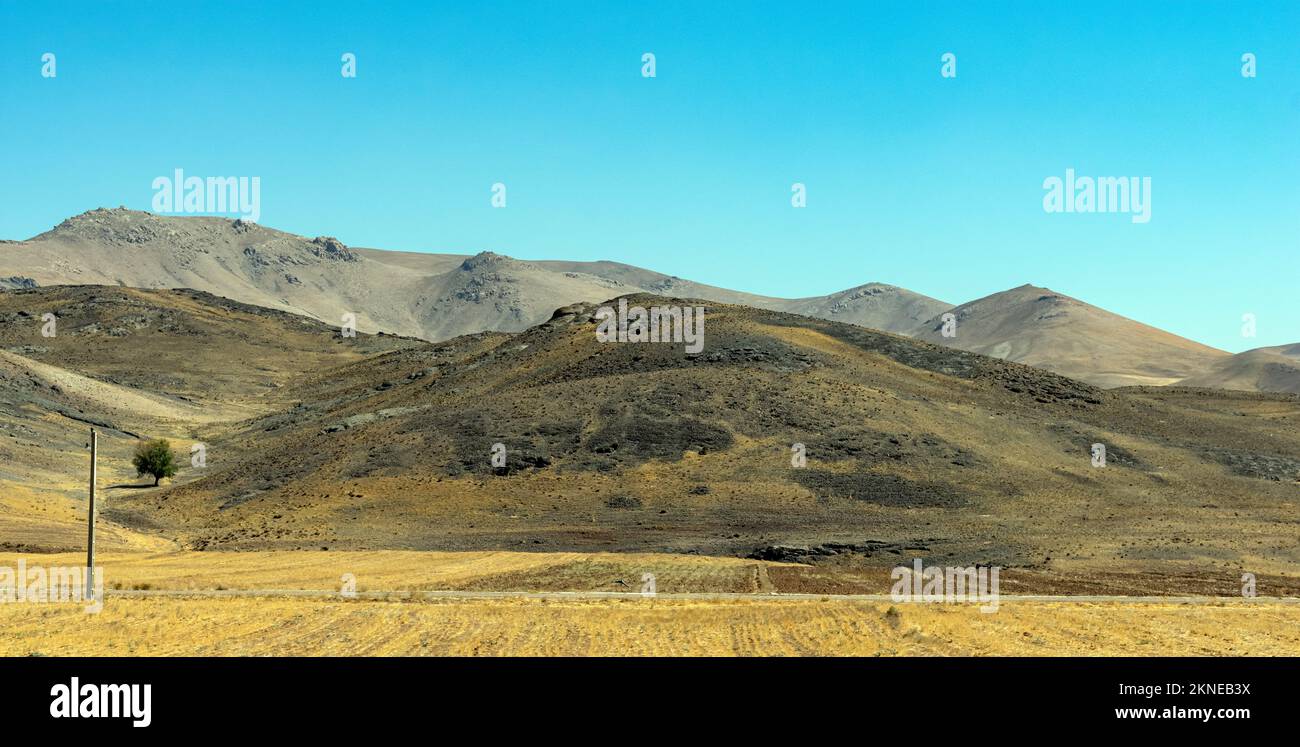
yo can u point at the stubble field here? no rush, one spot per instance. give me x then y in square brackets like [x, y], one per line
[289, 604]
[267, 626]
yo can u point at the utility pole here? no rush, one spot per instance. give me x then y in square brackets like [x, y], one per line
[90, 521]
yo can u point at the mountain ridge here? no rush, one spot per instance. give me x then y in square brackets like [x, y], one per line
[435, 296]
[1041, 327]
[441, 296]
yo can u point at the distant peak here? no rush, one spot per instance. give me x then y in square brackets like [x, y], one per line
[1030, 288]
[119, 210]
[114, 225]
[101, 215]
[487, 259]
[1032, 292]
[871, 289]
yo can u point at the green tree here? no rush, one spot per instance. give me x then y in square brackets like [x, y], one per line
[155, 458]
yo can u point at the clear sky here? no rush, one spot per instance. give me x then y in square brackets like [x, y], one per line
[931, 183]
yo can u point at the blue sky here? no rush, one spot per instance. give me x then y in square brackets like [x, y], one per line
[930, 183]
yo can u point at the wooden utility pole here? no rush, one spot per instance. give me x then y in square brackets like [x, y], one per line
[90, 521]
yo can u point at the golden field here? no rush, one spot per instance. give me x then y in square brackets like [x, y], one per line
[510, 571]
[230, 616]
[398, 570]
[271, 626]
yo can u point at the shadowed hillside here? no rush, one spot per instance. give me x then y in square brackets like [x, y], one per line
[911, 448]
[135, 364]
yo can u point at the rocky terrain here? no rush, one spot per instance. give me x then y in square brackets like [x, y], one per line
[319, 442]
[440, 296]
[433, 296]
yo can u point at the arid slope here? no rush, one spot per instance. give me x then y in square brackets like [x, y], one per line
[433, 296]
[134, 364]
[912, 449]
[1043, 328]
[1275, 369]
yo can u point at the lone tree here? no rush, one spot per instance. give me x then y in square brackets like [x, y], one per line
[155, 458]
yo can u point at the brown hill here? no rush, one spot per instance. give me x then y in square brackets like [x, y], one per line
[187, 344]
[911, 449]
[1274, 369]
[134, 364]
[1040, 327]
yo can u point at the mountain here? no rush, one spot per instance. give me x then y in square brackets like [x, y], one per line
[441, 296]
[135, 364]
[1040, 327]
[1274, 369]
[242, 261]
[188, 344]
[315, 440]
[433, 296]
[911, 448]
[875, 305]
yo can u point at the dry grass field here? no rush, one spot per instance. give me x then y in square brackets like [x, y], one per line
[499, 571]
[642, 627]
[397, 570]
[226, 616]
[47, 519]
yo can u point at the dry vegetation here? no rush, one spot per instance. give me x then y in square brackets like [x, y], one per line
[641, 627]
[369, 457]
[395, 570]
[224, 618]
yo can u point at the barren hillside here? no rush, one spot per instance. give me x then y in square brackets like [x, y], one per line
[434, 296]
[135, 364]
[911, 448]
[1043, 328]
[1275, 369]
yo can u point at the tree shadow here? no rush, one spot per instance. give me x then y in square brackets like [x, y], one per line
[133, 487]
